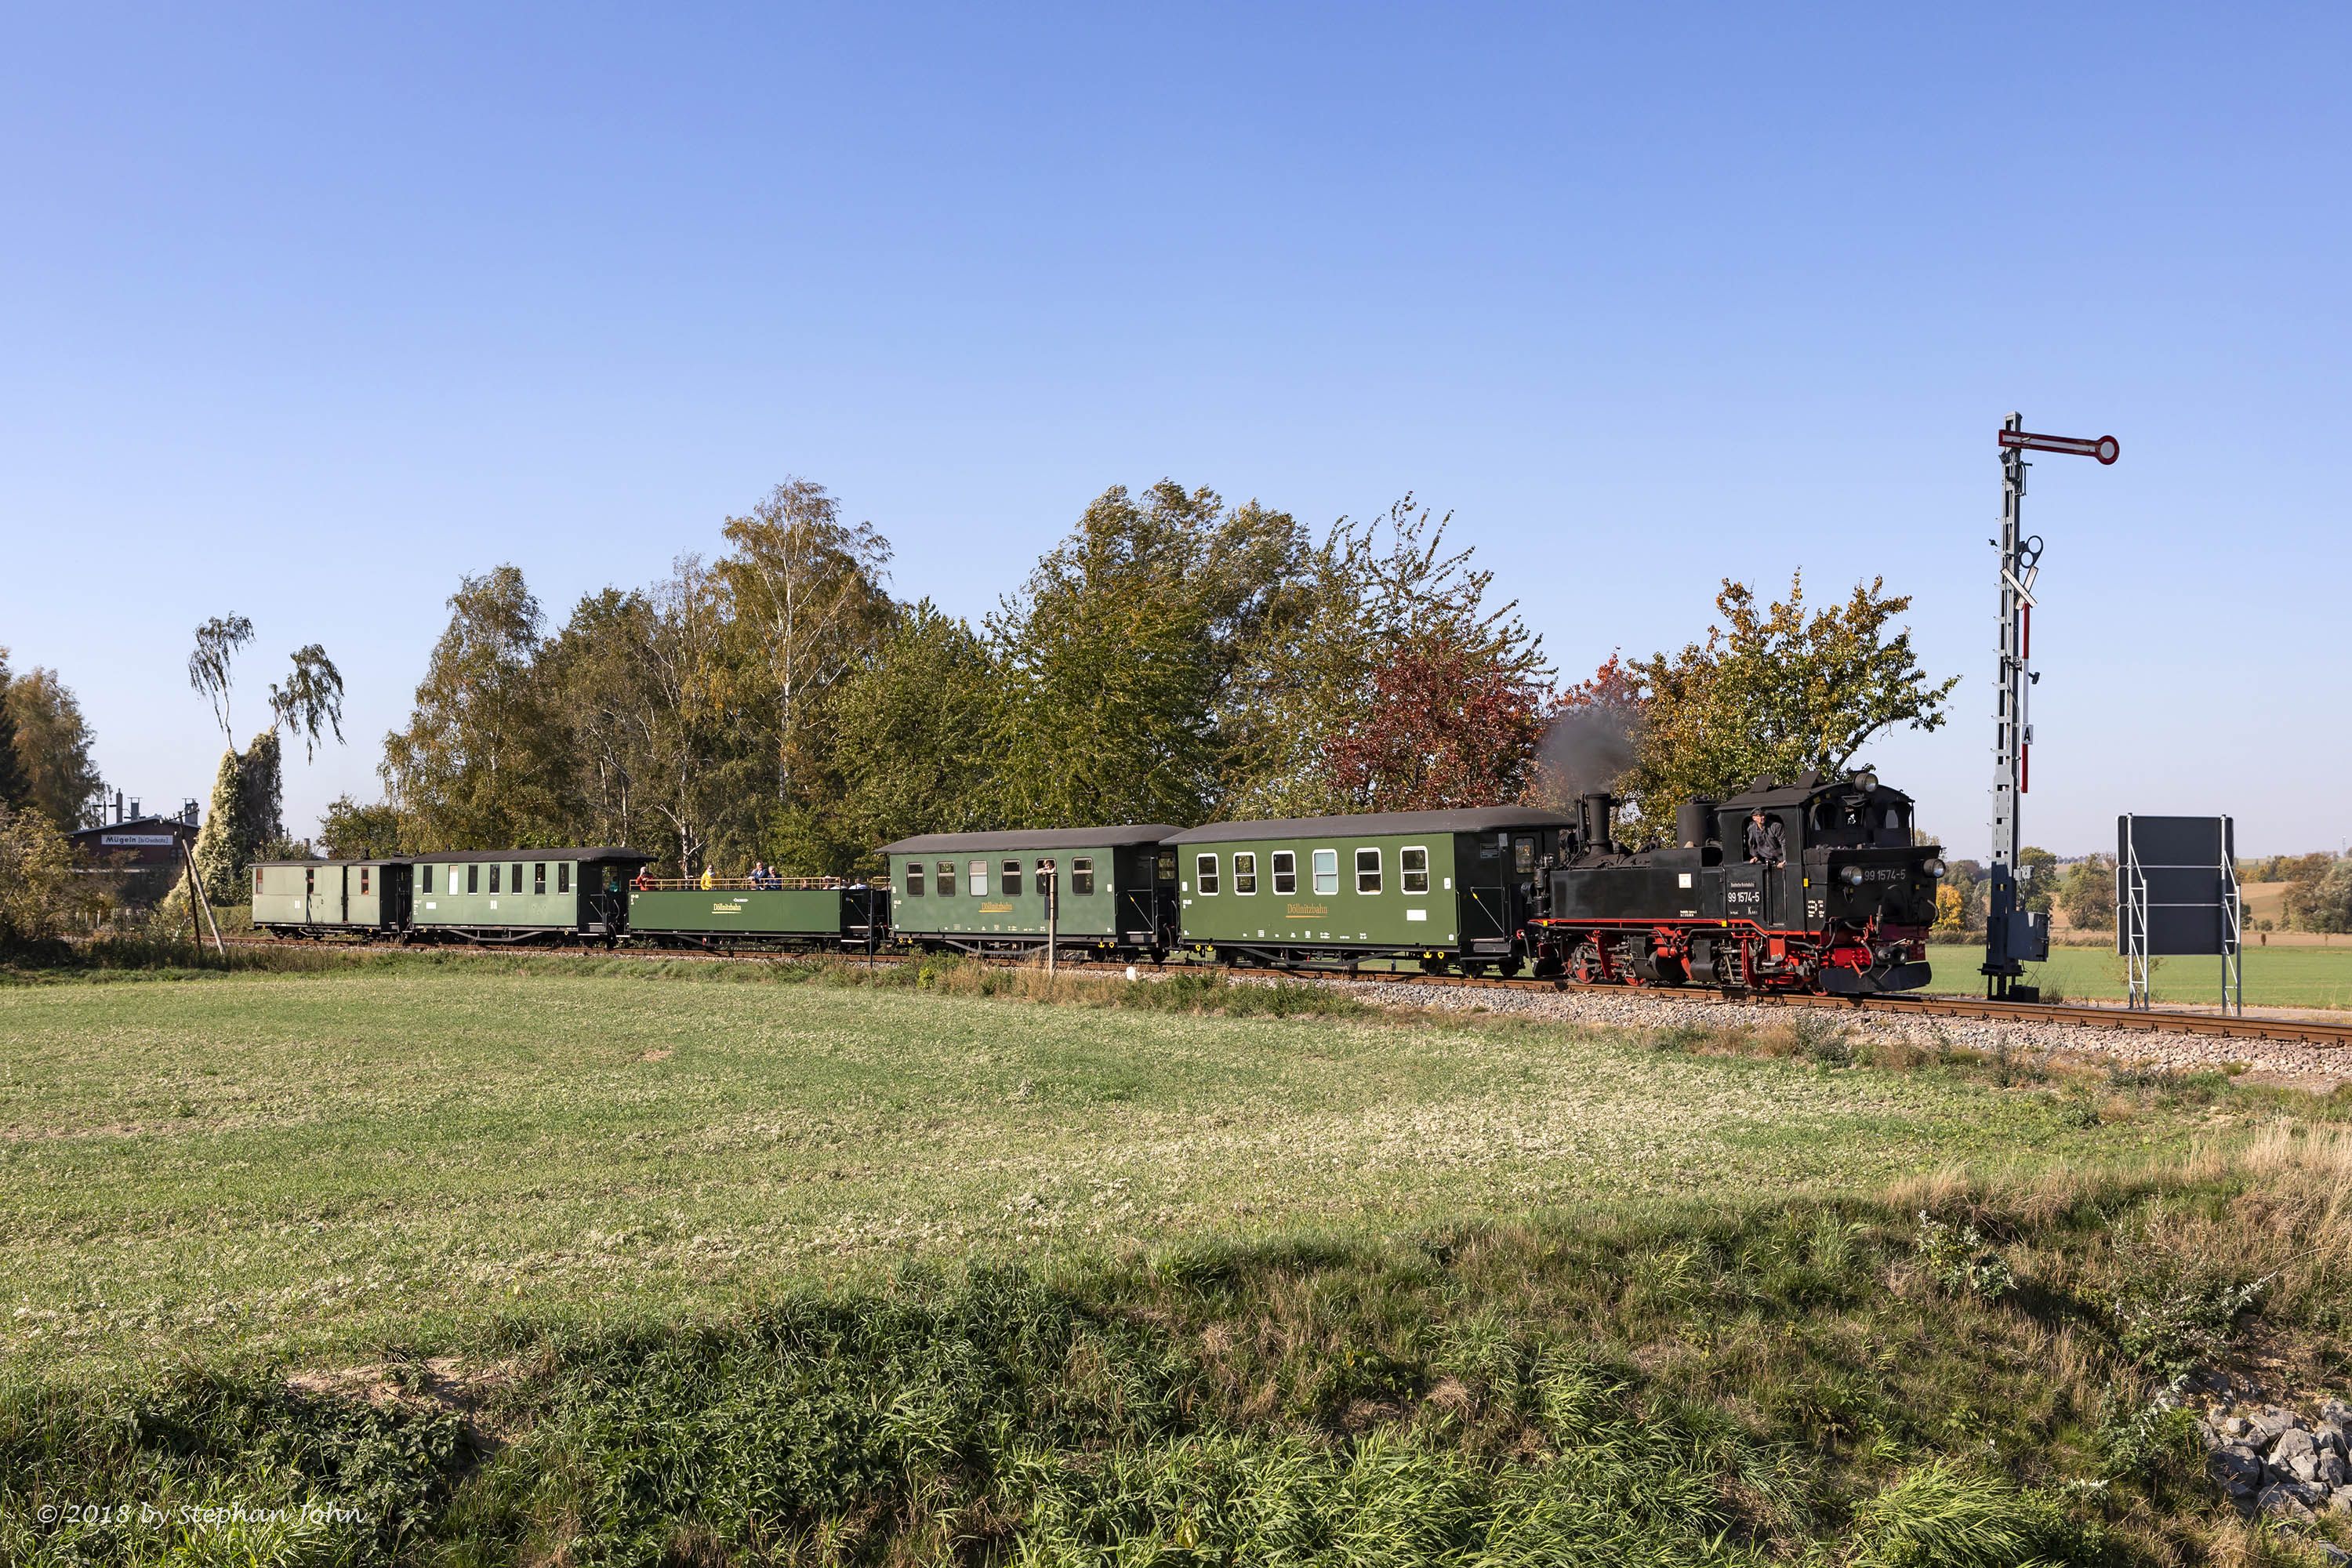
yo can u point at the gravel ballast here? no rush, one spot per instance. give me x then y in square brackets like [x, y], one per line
[2314, 1066]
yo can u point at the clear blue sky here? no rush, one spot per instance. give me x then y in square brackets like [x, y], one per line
[304, 311]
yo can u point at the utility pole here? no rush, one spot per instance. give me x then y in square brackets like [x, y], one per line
[1050, 883]
[2013, 938]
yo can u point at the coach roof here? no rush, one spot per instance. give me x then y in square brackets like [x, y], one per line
[1482, 819]
[459, 856]
[1034, 838]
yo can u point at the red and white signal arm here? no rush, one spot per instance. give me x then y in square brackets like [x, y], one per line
[2103, 447]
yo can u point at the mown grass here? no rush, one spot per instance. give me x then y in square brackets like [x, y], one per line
[293, 1162]
[583, 1268]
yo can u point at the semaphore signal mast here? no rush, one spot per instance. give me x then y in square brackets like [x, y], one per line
[2013, 938]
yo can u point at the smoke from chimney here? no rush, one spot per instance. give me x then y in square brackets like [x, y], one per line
[1587, 749]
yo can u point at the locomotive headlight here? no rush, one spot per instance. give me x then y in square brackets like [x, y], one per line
[1935, 867]
[1850, 876]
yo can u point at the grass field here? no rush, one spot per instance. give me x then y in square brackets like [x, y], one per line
[2275, 976]
[262, 1159]
[559, 1263]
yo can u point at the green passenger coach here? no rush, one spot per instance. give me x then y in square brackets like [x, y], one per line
[522, 895]
[985, 892]
[331, 898]
[1439, 887]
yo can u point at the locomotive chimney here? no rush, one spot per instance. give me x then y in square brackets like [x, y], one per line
[1594, 811]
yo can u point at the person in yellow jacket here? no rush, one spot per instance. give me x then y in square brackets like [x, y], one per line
[707, 877]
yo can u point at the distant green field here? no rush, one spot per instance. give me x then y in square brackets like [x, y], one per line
[2276, 976]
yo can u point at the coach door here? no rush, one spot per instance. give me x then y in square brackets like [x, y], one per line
[1482, 870]
[607, 898]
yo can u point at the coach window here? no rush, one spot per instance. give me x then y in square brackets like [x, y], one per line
[1368, 870]
[424, 879]
[1204, 871]
[946, 869]
[1167, 867]
[474, 879]
[1286, 873]
[494, 878]
[309, 882]
[1012, 879]
[363, 882]
[257, 880]
[563, 876]
[1327, 871]
[538, 878]
[515, 879]
[1245, 874]
[1412, 862]
[1082, 879]
[1523, 855]
[914, 878]
[976, 878]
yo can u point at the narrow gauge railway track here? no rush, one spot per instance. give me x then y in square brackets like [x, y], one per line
[2158, 1021]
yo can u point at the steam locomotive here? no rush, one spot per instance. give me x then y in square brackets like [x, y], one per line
[1844, 909]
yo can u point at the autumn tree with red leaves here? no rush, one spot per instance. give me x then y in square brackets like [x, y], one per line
[1450, 725]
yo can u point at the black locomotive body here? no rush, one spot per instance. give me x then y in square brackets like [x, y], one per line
[1839, 900]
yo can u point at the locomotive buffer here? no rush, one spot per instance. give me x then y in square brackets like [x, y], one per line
[2015, 937]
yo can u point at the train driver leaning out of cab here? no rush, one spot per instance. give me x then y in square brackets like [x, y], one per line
[1765, 842]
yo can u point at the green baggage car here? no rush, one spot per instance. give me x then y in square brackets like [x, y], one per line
[1442, 888]
[985, 892]
[738, 914]
[522, 895]
[358, 899]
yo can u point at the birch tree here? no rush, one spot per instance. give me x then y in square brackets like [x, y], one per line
[803, 592]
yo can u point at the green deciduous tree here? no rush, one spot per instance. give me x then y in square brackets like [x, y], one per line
[36, 885]
[2038, 869]
[2301, 901]
[16, 788]
[802, 602]
[1775, 692]
[349, 830]
[51, 742]
[2087, 894]
[476, 767]
[2323, 903]
[1120, 653]
[911, 737]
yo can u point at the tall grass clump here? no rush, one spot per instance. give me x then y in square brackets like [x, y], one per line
[1941, 1516]
[122, 1475]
